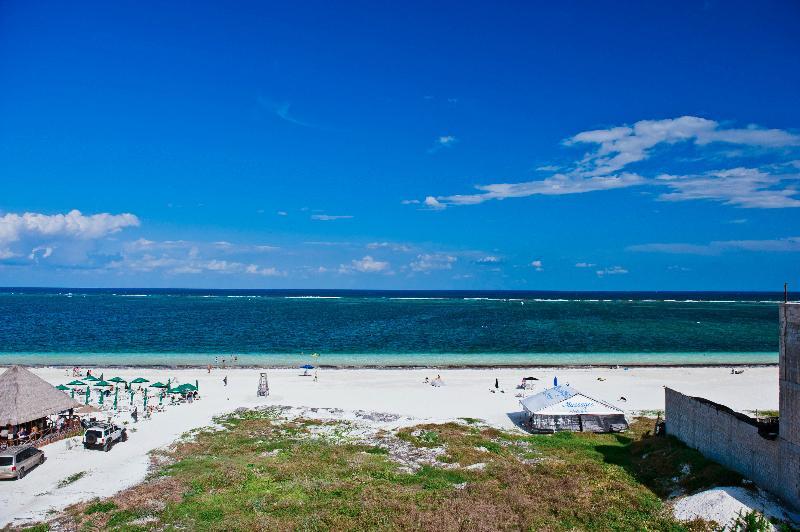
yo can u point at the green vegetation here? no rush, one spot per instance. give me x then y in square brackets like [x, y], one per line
[263, 473]
[72, 478]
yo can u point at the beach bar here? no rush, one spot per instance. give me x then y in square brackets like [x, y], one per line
[26, 402]
[563, 408]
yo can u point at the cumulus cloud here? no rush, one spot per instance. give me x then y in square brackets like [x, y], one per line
[788, 244]
[427, 262]
[329, 217]
[537, 265]
[489, 259]
[613, 150]
[367, 264]
[585, 265]
[31, 226]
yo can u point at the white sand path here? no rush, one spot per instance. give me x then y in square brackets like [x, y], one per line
[397, 391]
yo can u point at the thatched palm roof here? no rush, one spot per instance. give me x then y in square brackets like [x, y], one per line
[25, 397]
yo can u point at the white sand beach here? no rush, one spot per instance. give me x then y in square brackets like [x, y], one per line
[466, 393]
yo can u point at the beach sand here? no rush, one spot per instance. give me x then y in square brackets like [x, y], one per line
[397, 391]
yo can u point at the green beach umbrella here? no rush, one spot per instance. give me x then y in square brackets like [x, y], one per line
[101, 383]
[197, 385]
[161, 399]
[139, 380]
[62, 388]
[158, 385]
[76, 383]
[90, 378]
[87, 395]
[131, 397]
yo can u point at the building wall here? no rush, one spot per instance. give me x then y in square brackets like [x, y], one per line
[725, 437]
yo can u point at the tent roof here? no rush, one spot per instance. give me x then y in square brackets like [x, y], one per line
[25, 397]
[565, 400]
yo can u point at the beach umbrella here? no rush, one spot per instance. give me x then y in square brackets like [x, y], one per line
[117, 380]
[139, 380]
[158, 385]
[87, 395]
[306, 366]
[197, 385]
[91, 378]
[62, 388]
[116, 398]
[131, 397]
[101, 384]
[161, 398]
[76, 383]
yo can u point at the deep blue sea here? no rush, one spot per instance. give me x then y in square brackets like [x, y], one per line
[383, 328]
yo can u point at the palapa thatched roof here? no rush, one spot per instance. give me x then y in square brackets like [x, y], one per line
[25, 397]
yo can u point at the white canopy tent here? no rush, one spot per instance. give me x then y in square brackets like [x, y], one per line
[565, 408]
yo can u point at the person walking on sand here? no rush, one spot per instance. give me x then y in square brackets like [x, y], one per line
[209, 368]
[225, 380]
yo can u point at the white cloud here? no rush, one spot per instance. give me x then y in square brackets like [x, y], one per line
[40, 252]
[329, 217]
[614, 270]
[489, 259]
[433, 203]
[410, 202]
[254, 269]
[389, 245]
[789, 244]
[282, 213]
[537, 265]
[585, 265]
[742, 187]
[74, 225]
[443, 141]
[365, 265]
[432, 261]
[614, 149]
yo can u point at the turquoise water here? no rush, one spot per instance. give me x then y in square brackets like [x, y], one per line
[374, 328]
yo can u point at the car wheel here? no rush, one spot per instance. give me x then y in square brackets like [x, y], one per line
[41, 459]
[106, 447]
[20, 473]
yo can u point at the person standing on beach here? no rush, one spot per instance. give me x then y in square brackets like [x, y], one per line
[209, 368]
[496, 383]
[225, 380]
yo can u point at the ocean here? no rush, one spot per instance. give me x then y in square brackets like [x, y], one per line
[385, 328]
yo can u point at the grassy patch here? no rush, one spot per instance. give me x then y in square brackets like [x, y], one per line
[320, 480]
[72, 478]
[100, 507]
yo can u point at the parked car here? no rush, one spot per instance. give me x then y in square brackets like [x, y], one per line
[103, 436]
[15, 462]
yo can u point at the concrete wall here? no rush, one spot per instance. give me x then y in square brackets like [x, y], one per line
[728, 438]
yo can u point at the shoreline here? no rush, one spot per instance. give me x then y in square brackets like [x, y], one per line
[363, 394]
[637, 365]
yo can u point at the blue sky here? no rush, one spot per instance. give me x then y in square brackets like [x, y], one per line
[352, 145]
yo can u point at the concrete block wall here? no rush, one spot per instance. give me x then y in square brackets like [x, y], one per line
[724, 438]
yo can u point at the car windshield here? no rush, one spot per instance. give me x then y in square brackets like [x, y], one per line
[6, 461]
[95, 432]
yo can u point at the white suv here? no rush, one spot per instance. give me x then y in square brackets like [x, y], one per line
[103, 436]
